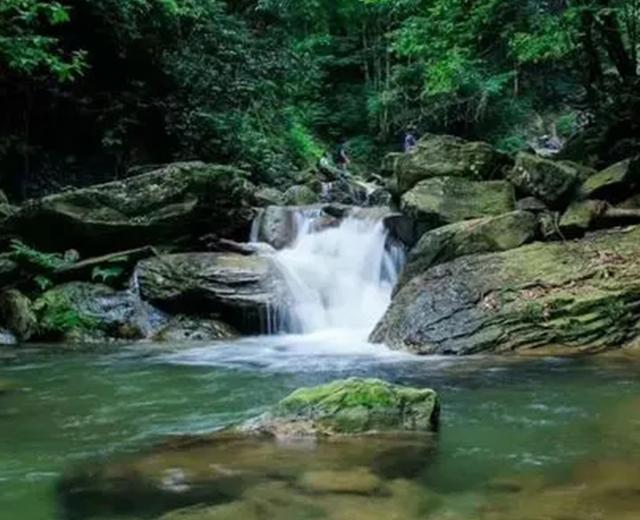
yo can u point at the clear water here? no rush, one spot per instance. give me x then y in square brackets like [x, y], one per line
[506, 423]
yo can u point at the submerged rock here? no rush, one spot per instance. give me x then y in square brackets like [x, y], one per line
[553, 182]
[348, 407]
[445, 156]
[179, 200]
[16, 314]
[469, 237]
[241, 290]
[244, 470]
[581, 296]
[445, 200]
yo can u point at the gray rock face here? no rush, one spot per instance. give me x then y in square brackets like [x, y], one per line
[445, 156]
[580, 296]
[269, 197]
[552, 182]
[469, 237]
[179, 200]
[444, 200]
[239, 289]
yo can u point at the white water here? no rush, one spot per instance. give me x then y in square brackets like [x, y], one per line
[340, 279]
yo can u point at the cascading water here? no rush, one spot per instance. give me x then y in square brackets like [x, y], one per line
[340, 278]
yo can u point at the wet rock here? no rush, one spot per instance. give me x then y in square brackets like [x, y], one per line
[468, 237]
[445, 200]
[7, 338]
[358, 481]
[186, 329]
[402, 228]
[445, 156]
[179, 200]
[615, 183]
[582, 296]
[16, 314]
[300, 195]
[346, 190]
[350, 407]
[269, 197]
[226, 475]
[82, 312]
[240, 289]
[553, 182]
[276, 226]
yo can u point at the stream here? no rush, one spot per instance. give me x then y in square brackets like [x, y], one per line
[515, 432]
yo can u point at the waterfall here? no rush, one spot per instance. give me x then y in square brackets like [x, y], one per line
[340, 277]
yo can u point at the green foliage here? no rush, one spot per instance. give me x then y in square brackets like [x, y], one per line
[27, 49]
[35, 260]
[57, 316]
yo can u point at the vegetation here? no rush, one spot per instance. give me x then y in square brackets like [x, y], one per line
[89, 88]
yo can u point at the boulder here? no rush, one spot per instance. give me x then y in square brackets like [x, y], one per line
[350, 407]
[269, 197]
[445, 156]
[179, 200]
[531, 204]
[469, 237]
[580, 217]
[82, 312]
[16, 314]
[300, 195]
[241, 290]
[276, 226]
[444, 200]
[219, 475]
[553, 182]
[183, 329]
[615, 183]
[582, 296]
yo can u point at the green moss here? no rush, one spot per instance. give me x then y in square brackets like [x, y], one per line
[57, 316]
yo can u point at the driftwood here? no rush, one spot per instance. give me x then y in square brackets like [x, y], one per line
[83, 270]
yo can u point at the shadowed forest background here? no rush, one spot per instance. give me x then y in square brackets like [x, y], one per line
[92, 88]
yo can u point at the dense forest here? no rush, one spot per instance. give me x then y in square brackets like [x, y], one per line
[91, 88]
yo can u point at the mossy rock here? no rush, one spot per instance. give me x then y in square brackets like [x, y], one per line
[176, 201]
[445, 156]
[17, 315]
[300, 195]
[614, 184]
[444, 200]
[581, 296]
[269, 197]
[351, 407]
[553, 182]
[187, 329]
[469, 237]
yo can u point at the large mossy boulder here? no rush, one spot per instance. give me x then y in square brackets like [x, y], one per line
[581, 296]
[553, 182]
[614, 184]
[177, 201]
[444, 200]
[350, 407]
[84, 312]
[469, 237]
[300, 195]
[445, 156]
[16, 314]
[241, 290]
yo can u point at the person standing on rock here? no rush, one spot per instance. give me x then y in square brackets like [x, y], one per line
[410, 141]
[342, 156]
